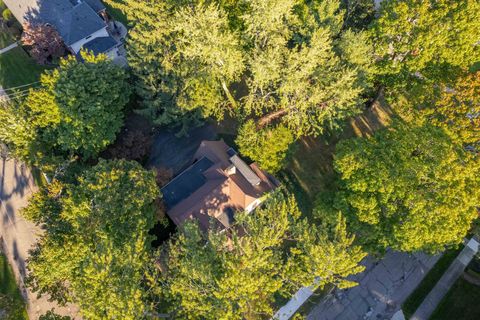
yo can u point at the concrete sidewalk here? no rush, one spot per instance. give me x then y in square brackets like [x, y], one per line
[428, 306]
[19, 235]
[8, 48]
[383, 287]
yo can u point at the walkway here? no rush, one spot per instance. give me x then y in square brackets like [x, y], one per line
[382, 288]
[19, 235]
[455, 270]
[10, 47]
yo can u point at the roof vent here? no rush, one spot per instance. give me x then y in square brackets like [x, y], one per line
[245, 170]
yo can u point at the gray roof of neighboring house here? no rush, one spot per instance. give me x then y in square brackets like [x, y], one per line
[100, 45]
[73, 20]
[96, 5]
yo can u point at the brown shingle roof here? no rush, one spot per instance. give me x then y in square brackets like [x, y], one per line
[224, 191]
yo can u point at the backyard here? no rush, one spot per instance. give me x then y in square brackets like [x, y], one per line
[11, 300]
[310, 170]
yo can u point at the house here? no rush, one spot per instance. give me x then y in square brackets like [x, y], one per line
[217, 184]
[80, 23]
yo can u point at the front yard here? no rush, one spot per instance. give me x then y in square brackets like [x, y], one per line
[423, 289]
[460, 303]
[12, 306]
[18, 69]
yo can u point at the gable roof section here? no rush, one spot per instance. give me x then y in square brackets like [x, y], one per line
[185, 184]
[213, 191]
[73, 21]
[100, 44]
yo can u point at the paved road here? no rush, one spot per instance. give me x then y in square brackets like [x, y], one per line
[382, 288]
[450, 276]
[19, 235]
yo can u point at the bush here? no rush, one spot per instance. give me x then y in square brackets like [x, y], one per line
[131, 145]
[7, 15]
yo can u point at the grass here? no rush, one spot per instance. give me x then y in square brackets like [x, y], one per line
[416, 298]
[8, 286]
[17, 68]
[6, 38]
[460, 303]
[310, 170]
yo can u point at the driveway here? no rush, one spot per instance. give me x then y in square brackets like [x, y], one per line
[18, 235]
[382, 289]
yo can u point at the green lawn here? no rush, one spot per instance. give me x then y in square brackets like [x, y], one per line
[460, 303]
[416, 298]
[10, 296]
[17, 69]
[310, 169]
[6, 38]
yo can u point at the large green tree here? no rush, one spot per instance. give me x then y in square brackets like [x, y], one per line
[268, 146]
[408, 187]
[279, 61]
[427, 37]
[76, 111]
[269, 252]
[95, 251]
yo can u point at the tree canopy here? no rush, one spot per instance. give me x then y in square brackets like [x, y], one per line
[95, 251]
[428, 37]
[268, 146]
[279, 61]
[269, 252]
[76, 111]
[409, 188]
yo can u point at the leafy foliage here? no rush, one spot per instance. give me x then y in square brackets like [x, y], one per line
[276, 60]
[409, 188]
[77, 111]
[44, 41]
[426, 36]
[272, 251]
[458, 109]
[96, 252]
[51, 315]
[268, 146]
[131, 145]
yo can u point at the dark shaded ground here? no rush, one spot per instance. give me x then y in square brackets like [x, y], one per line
[430, 280]
[460, 303]
[172, 152]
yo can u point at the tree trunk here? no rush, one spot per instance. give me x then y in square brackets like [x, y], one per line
[266, 119]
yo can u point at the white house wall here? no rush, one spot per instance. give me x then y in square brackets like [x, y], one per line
[97, 34]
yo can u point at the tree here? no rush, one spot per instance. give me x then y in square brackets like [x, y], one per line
[268, 146]
[99, 258]
[458, 109]
[409, 188]
[433, 38]
[7, 16]
[270, 251]
[44, 41]
[132, 144]
[76, 112]
[272, 60]
[51, 315]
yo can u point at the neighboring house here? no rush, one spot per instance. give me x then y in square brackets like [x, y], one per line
[80, 23]
[215, 186]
